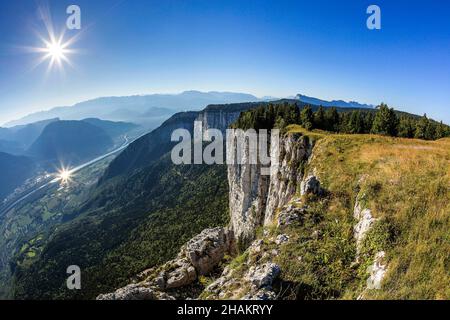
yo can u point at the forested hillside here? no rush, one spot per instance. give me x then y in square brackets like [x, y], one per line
[130, 224]
[382, 120]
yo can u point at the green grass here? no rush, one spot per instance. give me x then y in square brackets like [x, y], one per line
[407, 187]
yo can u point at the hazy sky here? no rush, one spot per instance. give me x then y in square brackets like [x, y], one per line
[277, 48]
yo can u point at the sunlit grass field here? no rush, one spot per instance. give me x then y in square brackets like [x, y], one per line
[406, 183]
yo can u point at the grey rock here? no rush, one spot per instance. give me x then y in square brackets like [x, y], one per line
[364, 222]
[256, 246]
[377, 272]
[311, 185]
[263, 294]
[254, 197]
[183, 275]
[208, 248]
[282, 238]
[160, 281]
[290, 215]
[135, 292]
[263, 275]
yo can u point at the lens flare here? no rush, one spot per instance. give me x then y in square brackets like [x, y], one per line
[65, 176]
[55, 48]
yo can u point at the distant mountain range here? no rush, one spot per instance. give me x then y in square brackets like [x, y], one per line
[46, 145]
[333, 103]
[151, 110]
[142, 109]
[70, 141]
[17, 139]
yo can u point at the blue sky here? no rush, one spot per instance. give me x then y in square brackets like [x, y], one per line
[277, 48]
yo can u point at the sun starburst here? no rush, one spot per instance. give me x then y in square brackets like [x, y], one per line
[64, 176]
[55, 49]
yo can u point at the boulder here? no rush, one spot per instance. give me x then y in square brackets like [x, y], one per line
[282, 238]
[377, 271]
[135, 292]
[208, 248]
[261, 276]
[311, 185]
[183, 275]
[291, 215]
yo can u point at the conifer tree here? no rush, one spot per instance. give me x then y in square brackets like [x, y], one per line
[332, 120]
[319, 118]
[385, 121]
[421, 127]
[306, 118]
[406, 127]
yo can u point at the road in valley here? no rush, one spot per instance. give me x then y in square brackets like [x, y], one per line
[7, 207]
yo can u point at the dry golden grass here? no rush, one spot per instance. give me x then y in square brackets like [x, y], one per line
[407, 182]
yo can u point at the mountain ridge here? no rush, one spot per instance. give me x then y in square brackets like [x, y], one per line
[332, 103]
[187, 100]
[69, 142]
[133, 106]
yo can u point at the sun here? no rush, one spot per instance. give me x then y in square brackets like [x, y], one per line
[65, 175]
[56, 51]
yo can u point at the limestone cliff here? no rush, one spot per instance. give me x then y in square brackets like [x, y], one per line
[255, 197]
[254, 200]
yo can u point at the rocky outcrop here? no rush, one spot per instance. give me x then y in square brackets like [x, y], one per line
[263, 294]
[364, 221]
[197, 257]
[135, 292]
[262, 276]
[377, 271]
[291, 214]
[247, 199]
[217, 119]
[253, 281]
[254, 197]
[295, 151]
[207, 249]
[180, 273]
[311, 185]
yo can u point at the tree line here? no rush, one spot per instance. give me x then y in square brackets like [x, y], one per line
[382, 120]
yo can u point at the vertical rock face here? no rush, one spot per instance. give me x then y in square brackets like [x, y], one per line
[295, 151]
[254, 197]
[217, 119]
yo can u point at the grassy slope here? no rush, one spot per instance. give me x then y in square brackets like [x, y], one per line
[407, 187]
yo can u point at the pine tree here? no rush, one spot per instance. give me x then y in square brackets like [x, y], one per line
[355, 123]
[406, 127]
[319, 118]
[332, 120]
[421, 127]
[440, 131]
[280, 124]
[430, 133]
[306, 118]
[385, 121]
